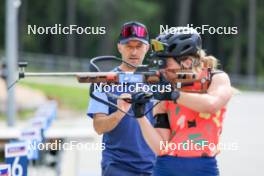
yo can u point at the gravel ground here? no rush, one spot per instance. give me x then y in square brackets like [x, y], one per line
[25, 98]
[244, 127]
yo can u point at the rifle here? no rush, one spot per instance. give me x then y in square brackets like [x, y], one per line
[184, 79]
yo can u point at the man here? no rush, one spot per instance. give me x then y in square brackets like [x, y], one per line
[126, 152]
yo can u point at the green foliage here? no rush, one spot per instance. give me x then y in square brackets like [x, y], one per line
[112, 14]
[260, 38]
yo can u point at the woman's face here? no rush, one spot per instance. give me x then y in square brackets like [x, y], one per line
[173, 65]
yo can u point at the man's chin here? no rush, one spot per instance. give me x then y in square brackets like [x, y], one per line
[134, 62]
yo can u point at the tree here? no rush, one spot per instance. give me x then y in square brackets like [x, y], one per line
[252, 41]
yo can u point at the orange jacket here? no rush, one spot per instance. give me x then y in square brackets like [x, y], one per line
[193, 134]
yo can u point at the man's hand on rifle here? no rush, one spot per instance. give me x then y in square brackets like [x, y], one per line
[123, 103]
[139, 101]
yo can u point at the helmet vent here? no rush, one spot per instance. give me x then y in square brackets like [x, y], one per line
[172, 47]
[185, 37]
[186, 47]
[168, 36]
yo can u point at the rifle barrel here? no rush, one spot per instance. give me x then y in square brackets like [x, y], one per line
[61, 74]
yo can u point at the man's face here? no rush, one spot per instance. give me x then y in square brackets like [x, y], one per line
[133, 51]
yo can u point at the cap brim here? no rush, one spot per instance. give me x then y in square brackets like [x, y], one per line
[124, 41]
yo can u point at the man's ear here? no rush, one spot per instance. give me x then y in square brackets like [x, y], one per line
[119, 47]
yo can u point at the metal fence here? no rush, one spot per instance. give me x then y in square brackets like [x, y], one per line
[50, 62]
[248, 82]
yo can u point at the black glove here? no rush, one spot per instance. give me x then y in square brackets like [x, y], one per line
[139, 101]
[172, 96]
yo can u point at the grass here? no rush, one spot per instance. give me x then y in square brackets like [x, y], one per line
[2, 158]
[2, 116]
[22, 115]
[74, 98]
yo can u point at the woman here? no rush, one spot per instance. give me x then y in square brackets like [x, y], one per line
[186, 133]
